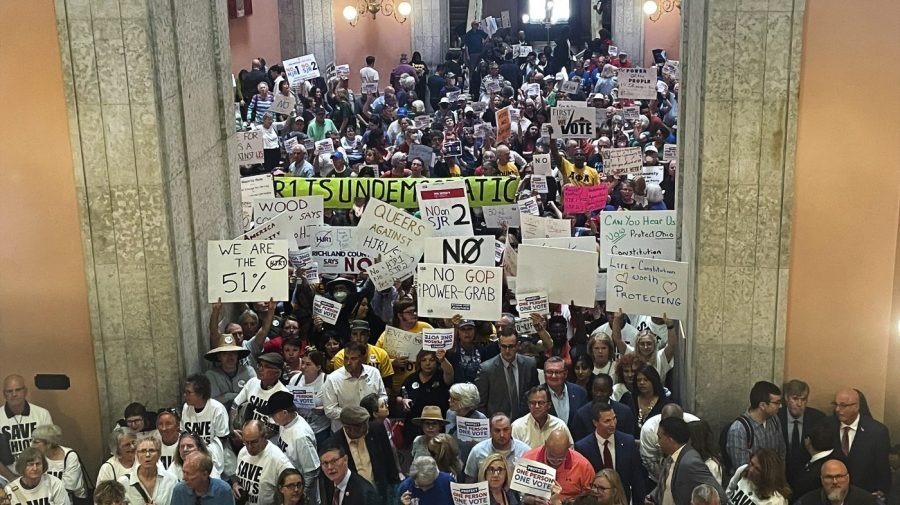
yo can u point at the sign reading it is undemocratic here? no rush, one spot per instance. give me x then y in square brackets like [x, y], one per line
[531, 477]
[647, 286]
[648, 234]
[247, 271]
[383, 229]
[471, 291]
[478, 251]
[637, 83]
[470, 494]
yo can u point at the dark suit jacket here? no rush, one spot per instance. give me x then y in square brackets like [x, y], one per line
[796, 460]
[855, 496]
[359, 491]
[689, 472]
[809, 478]
[491, 383]
[582, 425]
[628, 462]
[868, 459]
[381, 453]
[577, 398]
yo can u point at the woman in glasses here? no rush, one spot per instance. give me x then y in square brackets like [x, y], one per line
[35, 485]
[149, 483]
[62, 462]
[290, 488]
[607, 488]
[495, 470]
[122, 461]
[188, 443]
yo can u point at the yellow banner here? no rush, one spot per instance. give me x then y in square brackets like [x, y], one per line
[339, 193]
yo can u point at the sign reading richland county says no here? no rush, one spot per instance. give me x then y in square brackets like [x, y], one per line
[574, 122]
[648, 234]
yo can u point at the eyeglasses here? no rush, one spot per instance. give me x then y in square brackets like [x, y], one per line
[146, 452]
[776, 402]
[842, 405]
[134, 420]
[834, 478]
[554, 372]
[331, 462]
[496, 470]
[295, 486]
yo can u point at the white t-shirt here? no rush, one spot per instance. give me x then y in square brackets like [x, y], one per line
[258, 475]
[742, 492]
[162, 490]
[629, 333]
[111, 469]
[68, 470]
[257, 397]
[210, 423]
[368, 74]
[298, 441]
[20, 427]
[659, 362]
[49, 490]
[660, 330]
[167, 454]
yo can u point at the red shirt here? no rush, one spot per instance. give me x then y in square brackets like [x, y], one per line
[574, 475]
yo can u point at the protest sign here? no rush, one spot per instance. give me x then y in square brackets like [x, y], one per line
[383, 229]
[544, 227]
[301, 69]
[453, 96]
[504, 125]
[637, 83]
[671, 68]
[471, 291]
[342, 71]
[422, 122]
[573, 122]
[529, 206]
[570, 87]
[533, 478]
[670, 152]
[648, 234]
[472, 430]
[533, 302]
[622, 160]
[542, 164]
[559, 272]
[631, 113]
[247, 271]
[445, 207]
[327, 309]
[301, 211]
[647, 286]
[510, 261]
[334, 250]
[600, 289]
[452, 149]
[392, 268]
[470, 494]
[613, 51]
[312, 273]
[478, 106]
[497, 215]
[576, 243]
[482, 130]
[300, 259]
[282, 104]
[399, 343]
[250, 147]
[304, 396]
[533, 89]
[289, 144]
[437, 339]
[460, 250]
[539, 184]
[524, 326]
[581, 199]
[325, 146]
[257, 186]
[652, 174]
[492, 85]
[569, 103]
[499, 247]
[277, 228]
[426, 153]
[504, 19]
[368, 87]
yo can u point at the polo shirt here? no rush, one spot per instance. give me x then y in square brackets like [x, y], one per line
[574, 475]
[219, 493]
[527, 430]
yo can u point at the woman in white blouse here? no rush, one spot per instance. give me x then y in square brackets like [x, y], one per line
[62, 462]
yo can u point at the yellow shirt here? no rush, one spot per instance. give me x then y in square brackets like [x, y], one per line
[400, 375]
[585, 176]
[509, 168]
[377, 357]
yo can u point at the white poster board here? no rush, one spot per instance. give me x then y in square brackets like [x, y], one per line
[301, 211]
[531, 477]
[437, 339]
[648, 234]
[247, 271]
[648, 287]
[600, 289]
[249, 147]
[399, 343]
[461, 250]
[327, 309]
[333, 248]
[384, 228]
[496, 216]
[573, 122]
[392, 268]
[544, 227]
[622, 160]
[652, 174]
[539, 184]
[301, 68]
[472, 430]
[257, 186]
[277, 228]
[637, 83]
[577, 243]
[670, 152]
[471, 291]
[445, 207]
[542, 164]
[528, 303]
[282, 104]
[559, 272]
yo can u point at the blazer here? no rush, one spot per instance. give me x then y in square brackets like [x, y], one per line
[855, 496]
[809, 478]
[689, 471]
[491, 383]
[577, 398]
[795, 460]
[583, 426]
[868, 459]
[359, 491]
[381, 453]
[628, 462]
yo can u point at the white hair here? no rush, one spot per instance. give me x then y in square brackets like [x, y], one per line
[424, 469]
[466, 393]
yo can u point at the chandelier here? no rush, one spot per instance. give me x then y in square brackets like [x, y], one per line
[372, 7]
[653, 8]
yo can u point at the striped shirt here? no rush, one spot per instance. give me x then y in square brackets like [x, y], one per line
[260, 107]
[766, 435]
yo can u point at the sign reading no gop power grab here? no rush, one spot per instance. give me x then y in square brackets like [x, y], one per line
[437, 339]
[647, 286]
[247, 270]
[445, 207]
[471, 291]
[470, 494]
[531, 477]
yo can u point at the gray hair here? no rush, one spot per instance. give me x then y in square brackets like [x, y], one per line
[466, 393]
[424, 468]
[157, 444]
[32, 454]
[398, 157]
[50, 433]
[704, 494]
[249, 314]
[118, 433]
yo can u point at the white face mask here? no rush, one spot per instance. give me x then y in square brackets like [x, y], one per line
[649, 159]
[340, 296]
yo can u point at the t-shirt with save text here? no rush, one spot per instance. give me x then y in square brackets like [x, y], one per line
[258, 475]
[254, 394]
[19, 427]
[211, 422]
[49, 491]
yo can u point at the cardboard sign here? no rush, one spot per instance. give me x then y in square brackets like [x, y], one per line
[301, 69]
[573, 122]
[534, 88]
[328, 310]
[304, 396]
[504, 19]
[529, 206]
[301, 211]
[637, 83]
[276, 228]
[368, 87]
[472, 291]
[504, 125]
[282, 104]
[570, 87]
[622, 160]
[383, 229]
[249, 147]
[325, 146]
[539, 184]
[247, 271]
[460, 250]
[437, 339]
[497, 215]
[559, 272]
[257, 186]
[524, 326]
[533, 302]
[541, 163]
[445, 207]
[648, 234]
[472, 430]
[581, 199]
[399, 343]
[574, 243]
[632, 113]
[613, 51]
[670, 152]
[600, 289]
[424, 152]
[531, 477]
[544, 227]
[334, 249]
[392, 268]
[653, 174]
[647, 286]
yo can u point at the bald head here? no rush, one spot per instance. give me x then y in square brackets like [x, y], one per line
[832, 467]
[198, 462]
[557, 441]
[835, 480]
[671, 410]
[15, 392]
[846, 405]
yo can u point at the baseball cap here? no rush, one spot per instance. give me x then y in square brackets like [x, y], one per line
[359, 324]
[651, 147]
[281, 400]
[466, 323]
[337, 155]
[402, 112]
[445, 100]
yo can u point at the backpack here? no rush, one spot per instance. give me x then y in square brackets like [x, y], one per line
[728, 465]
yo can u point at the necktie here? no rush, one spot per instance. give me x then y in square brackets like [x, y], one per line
[795, 438]
[512, 389]
[845, 441]
[336, 500]
[664, 480]
[607, 456]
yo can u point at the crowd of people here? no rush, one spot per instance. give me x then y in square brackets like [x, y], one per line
[294, 410]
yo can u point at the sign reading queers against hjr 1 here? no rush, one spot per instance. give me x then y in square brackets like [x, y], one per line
[531, 477]
[471, 291]
[647, 233]
[445, 206]
[383, 229]
[647, 286]
[247, 270]
[470, 494]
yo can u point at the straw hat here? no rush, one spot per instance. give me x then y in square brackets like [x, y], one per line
[227, 344]
[431, 413]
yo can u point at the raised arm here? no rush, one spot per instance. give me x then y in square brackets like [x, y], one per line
[616, 326]
[214, 315]
[671, 337]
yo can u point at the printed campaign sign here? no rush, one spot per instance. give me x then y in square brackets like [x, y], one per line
[342, 71]
[499, 247]
[399, 343]
[301, 258]
[334, 249]
[504, 125]
[531, 477]
[325, 146]
[570, 87]
[542, 164]
[301, 68]
[247, 271]
[392, 268]
[504, 19]
[559, 272]
[622, 160]
[524, 326]
[327, 309]
[282, 104]
[529, 206]
[437, 339]
[532, 302]
[460, 250]
[471, 291]
[648, 234]
[652, 174]
[289, 144]
[472, 430]
[497, 215]
[304, 396]
[384, 228]
[533, 89]
[368, 87]
[575, 243]
[544, 227]
[249, 147]
[312, 273]
[470, 494]
[539, 184]
[422, 122]
[600, 289]
[453, 96]
[670, 152]
[452, 149]
[445, 207]
[637, 83]
[647, 286]
[257, 186]
[492, 85]
[581, 199]
[631, 113]
[573, 122]
[613, 51]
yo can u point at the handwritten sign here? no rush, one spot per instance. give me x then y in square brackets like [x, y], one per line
[580, 199]
[301, 69]
[424, 152]
[250, 147]
[637, 83]
[544, 227]
[247, 271]
[471, 291]
[529, 206]
[622, 160]
[305, 396]
[570, 87]
[613, 51]
[399, 343]
[573, 122]
[648, 234]
[670, 152]
[445, 207]
[524, 326]
[301, 211]
[533, 303]
[647, 286]
[542, 164]
[437, 339]
[559, 272]
[334, 249]
[276, 228]
[632, 113]
[327, 309]
[531, 477]
[460, 250]
[325, 146]
[496, 216]
[384, 228]
[257, 186]
[472, 430]
[282, 104]
[575, 243]
[504, 125]
[470, 494]
[393, 268]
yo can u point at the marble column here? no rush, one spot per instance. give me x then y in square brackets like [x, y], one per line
[150, 118]
[291, 29]
[431, 30]
[740, 65]
[319, 40]
[628, 27]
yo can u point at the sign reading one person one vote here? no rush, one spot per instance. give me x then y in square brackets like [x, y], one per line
[647, 286]
[531, 477]
[582, 199]
[532, 303]
[471, 291]
[573, 122]
[327, 309]
[470, 494]
[247, 270]
[445, 207]
[383, 229]
[621, 160]
[648, 234]
[472, 430]
[304, 396]
[529, 206]
[250, 147]
[539, 184]
[394, 267]
[637, 83]
[477, 251]
[301, 69]
[437, 339]
[496, 216]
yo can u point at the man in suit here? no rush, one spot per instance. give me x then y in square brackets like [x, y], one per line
[369, 451]
[836, 488]
[819, 444]
[351, 489]
[601, 388]
[796, 420]
[608, 448]
[683, 468]
[504, 379]
[863, 442]
[565, 397]
[651, 454]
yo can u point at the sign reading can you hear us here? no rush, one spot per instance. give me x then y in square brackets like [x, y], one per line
[647, 286]
[247, 270]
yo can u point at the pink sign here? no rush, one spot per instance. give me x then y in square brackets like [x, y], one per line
[580, 199]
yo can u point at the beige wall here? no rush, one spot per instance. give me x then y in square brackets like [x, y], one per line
[43, 298]
[844, 284]
[256, 35]
[664, 33]
[384, 38]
